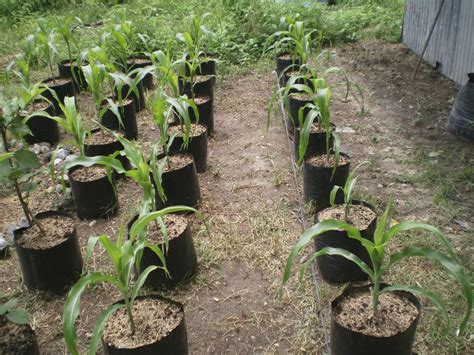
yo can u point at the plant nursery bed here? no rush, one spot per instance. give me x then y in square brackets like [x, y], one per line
[251, 207]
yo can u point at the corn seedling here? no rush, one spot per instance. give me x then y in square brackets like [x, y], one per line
[348, 191]
[46, 39]
[382, 262]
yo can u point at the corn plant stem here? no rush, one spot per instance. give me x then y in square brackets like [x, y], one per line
[128, 307]
[314, 278]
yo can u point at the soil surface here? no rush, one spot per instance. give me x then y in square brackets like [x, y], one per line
[394, 314]
[99, 137]
[250, 205]
[56, 230]
[88, 173]
[321, 160]
[15, 338]
[201, 99]
[154, 319]
[359, 216]
[177, 161]
[175, 226]
[57, 81]
[195, 131]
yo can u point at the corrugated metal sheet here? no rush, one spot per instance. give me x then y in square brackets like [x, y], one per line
[452, 42]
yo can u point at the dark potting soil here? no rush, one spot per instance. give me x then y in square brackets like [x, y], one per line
[175, 225]
[89, 173]
[57, 81]
[56, 229]
[315, 128]
[154, 319]
[322, 161]
[177, 161]
[35, 106]
[14, 338]
[200, 99]
[285, 56]
[394, 315]
[360, 216]
[100, 138]
[195, 131]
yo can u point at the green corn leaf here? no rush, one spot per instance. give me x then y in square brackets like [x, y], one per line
[112, 250]
[108, 161]
[311, 233]
[332, 196]
[409, 225]
[73, 303]
[89, 250]
[305, 132]
[142, 222]
[339, 252]
[140, 282]
[99, 326]
[159, 253]
[451, 265]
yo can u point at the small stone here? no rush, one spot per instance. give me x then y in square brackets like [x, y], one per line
[93, 223]
[216, 299]
[47, 156]
[3, 247]
[462, 223]
[45, 144]
[345, 130]
[380, 186]
[57, 161]
[50, 190]
[70, 157]
[59, 188]
[252, 337]
[153, 128]
[62, 153]
[65, 177]
[35, 148]
[44, 149]
[434, 154]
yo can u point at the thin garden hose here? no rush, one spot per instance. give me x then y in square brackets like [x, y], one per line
[304, 223]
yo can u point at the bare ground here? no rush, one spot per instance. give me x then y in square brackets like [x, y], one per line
[250, 203]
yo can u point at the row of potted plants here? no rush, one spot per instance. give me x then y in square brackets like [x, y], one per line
[158, 249]
[351, 244]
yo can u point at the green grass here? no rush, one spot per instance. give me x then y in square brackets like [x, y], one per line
[241, 31]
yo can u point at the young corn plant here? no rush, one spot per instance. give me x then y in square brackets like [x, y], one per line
[347, 190]
[382, 261]
[46, 39]
[65, 29]
[122, 254]
[164, 70]
[195, 40]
